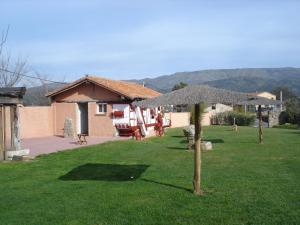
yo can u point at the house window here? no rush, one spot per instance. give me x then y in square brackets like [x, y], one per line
[101, 108]
[213, 107]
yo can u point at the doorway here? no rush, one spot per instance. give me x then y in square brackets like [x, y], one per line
[82, 118]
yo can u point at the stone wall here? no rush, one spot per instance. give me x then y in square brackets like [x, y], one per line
[273, 118]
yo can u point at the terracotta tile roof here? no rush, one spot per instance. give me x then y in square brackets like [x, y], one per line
[128, 89]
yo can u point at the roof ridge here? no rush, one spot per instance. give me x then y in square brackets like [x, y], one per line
[130, 89]
[109, 79]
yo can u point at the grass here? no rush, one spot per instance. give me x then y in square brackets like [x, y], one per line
[150, 182]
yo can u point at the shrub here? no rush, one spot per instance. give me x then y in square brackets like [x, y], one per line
[287, 126]
[227, 118]
[265, 118]
[283, 117]
[289, 117]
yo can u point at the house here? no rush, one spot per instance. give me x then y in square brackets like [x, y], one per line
[99, 106]
[263, 94]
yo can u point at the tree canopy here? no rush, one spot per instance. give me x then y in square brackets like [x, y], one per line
[286, 93]
[179, 86]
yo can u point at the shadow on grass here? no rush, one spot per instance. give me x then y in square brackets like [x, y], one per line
[167, 185]
[294, 131]
[105, 172]
[178, 148]
[178, 136]
[214, 140]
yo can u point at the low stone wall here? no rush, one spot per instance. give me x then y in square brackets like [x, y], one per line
[36, 121]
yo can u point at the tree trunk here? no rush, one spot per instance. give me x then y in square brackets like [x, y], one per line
[15, 128]
[260, 125]
[197, 152]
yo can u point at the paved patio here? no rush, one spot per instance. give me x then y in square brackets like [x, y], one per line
[46, 145]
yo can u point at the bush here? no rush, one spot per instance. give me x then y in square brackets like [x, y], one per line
[289, 117]
[227, 118]
[287, 126]
[265, 118]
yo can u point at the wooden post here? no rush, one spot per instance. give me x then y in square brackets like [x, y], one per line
[4, 129]
[1, 133]
[260, 125]
[197, 152]
[235, 128]
[15, 128]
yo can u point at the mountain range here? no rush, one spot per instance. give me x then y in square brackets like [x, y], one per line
[244, 80]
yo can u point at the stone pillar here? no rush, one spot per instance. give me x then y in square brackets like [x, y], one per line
[15, 128]
[15, 152]
[69, 131]
[273, 118]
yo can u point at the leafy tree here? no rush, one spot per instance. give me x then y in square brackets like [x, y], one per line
[180, 108]
[292, 105]
[286, 93]
[179, 86]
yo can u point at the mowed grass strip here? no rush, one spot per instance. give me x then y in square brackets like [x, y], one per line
[150, 182]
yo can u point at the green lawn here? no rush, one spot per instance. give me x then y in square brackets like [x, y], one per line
[150, 182]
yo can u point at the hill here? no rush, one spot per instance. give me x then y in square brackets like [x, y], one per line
[247, 80]
[35, 96]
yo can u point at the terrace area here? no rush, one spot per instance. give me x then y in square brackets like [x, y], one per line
[46, 145]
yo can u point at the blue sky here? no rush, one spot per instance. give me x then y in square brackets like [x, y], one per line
[135, 39]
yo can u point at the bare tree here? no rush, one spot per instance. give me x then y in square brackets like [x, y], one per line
[11, 70]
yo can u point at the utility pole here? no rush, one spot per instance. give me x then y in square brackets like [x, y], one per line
[281, 101]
